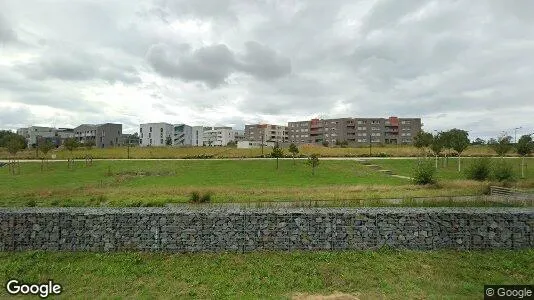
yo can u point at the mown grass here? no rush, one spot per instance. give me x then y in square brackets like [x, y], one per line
[228, 152]
[272, 275]
[158, 183]
[448, 168]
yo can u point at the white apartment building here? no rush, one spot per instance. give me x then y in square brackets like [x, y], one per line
[155, 134]
[32, 133]
[197, 136]
[182, 135]
[218, 136]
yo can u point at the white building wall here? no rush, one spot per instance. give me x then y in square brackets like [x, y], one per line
[197, 136]
[218, 137]
[155, 134]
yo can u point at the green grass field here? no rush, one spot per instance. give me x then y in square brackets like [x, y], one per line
[156, 183]
[272, 275]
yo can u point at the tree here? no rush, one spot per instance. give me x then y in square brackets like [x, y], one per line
[89, 144]
[14, 145]
[422, 140]
[478, 141]
[447, 144]
[459, 141]
[45, 147]
[6, 136]
[277, 153]
[437, 146]
[294, 150]
[502, 146]
[168, 141]
[232, 144]
[325, 143]
[524, 147]
[313, 161]
[71, 144]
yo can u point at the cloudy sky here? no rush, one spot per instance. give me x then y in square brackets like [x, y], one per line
[466, 64]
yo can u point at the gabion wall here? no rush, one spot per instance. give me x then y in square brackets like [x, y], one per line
[241, 230]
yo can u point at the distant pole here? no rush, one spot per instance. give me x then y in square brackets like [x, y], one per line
[262, 138]
[370, 145]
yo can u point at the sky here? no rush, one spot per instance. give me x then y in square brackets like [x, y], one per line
[455, 64]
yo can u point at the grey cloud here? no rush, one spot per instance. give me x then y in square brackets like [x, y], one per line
[16, 117]
[215, 63]
[7, 34]
[78, 66]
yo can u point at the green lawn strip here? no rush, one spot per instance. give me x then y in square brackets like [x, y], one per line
[393, 274]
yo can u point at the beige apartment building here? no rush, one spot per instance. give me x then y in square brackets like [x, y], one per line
[355, 131]
[266, 133]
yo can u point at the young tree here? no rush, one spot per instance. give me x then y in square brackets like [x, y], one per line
[459, 141]
[437, 146]
[71, 144]
[502, 146]
[14, 145]
[313, 161]
[447, 145]
[422, 140]
[168, 141]
[45, 147]
[277, 153]
[524, 147]
[294, 150]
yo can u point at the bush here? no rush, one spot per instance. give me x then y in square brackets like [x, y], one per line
[424, 172]
[480, 169]
[503, 171]
[196, 197]
[31, 203]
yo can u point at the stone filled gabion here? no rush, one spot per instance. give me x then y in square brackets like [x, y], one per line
[249, 229]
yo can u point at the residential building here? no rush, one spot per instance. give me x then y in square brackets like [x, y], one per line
[197, 136]
[218, 136]
[155, 134]
[183, 135]
[130, 139]
[356, 131]
[266, 133]
[33, 133]
[103, 135]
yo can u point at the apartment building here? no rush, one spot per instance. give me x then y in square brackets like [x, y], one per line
[103, 135]
[218, 136]
[155, 134]
[183, 135]
[34, 133]
[266, 133]
[197, 136]
[356, 131]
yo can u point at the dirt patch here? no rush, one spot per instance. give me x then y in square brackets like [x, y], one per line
[334, 296]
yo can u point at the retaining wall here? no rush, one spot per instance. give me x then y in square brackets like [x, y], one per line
[216, 229]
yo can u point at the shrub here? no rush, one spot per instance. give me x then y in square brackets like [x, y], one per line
[31, 203]
[480, 169]
[195, 197]
[424, 172]
[205, 198]
[503, 171]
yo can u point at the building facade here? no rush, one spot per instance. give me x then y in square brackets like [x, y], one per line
[182, 135]
[355, 131]
[218, 136]
[102, 135]
[197, 136]
[155, 134]
[266, 133]
[34, 133]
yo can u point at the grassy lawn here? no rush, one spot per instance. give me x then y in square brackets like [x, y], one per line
[156, 183]
[449, 171]
[279, 275]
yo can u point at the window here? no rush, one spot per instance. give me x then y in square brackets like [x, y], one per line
[150, 129]
[150, 140]
[161, 141]
[161, 130]
[150, 135]
[141, 130]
